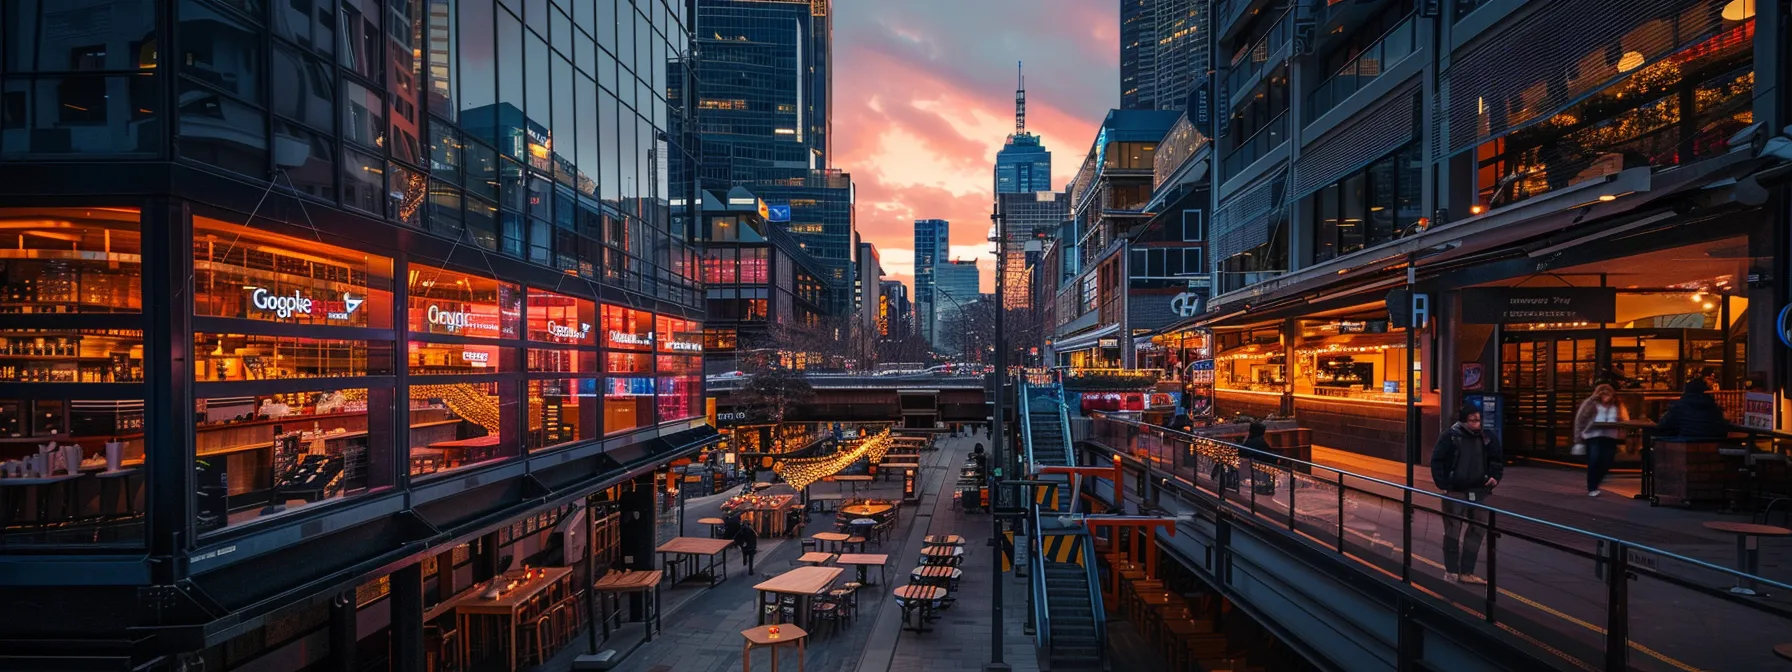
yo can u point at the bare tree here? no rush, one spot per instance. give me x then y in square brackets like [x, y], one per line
[770, 391]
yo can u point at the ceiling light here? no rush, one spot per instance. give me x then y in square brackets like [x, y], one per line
[1476, 209]
[1738, 10]
[1630, 61]
[1607, 198]
[1709, 305]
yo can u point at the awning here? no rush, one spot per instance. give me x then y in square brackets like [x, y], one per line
[1086, 339]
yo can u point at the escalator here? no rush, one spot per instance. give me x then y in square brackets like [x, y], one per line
[1073, 624]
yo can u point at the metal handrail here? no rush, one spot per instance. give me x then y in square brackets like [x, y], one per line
[1099, 612]
[1611, 558]
[1042, 622]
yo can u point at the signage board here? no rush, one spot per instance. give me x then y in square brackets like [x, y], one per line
[1757, 410]
[1523, 305]
[285, 306]
[1186, 304]
[777, 213]
[1108, 343]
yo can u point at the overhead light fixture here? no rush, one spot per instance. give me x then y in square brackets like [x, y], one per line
[1631, 60]
[1607, 198]
[1477, 209]
[1739, 10]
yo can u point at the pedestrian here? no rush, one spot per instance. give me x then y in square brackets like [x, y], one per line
[1600, 444]
[1695, 415]
[748, 541]
[1255, 441]
[1467, 464]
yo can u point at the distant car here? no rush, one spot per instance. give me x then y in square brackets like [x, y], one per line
[941, 370]
[727, 375]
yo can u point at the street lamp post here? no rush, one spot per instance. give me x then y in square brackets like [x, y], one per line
[996, 437]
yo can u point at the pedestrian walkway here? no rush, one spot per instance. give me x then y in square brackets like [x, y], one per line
[702, 630]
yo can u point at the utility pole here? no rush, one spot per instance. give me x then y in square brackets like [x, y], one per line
[997, 453]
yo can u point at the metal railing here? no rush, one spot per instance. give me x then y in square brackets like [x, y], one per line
[1099, 611]
[1597, 602]
[1252, 60]
[1391, 48]
[1271, 136]
[1040, 608]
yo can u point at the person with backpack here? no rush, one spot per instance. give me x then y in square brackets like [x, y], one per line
[1466, 464]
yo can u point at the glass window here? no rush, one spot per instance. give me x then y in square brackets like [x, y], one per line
[507, 117]
[81, 114]
[363, 116]
[221, 357]
[606, 24]
[363, 181]
[628, 403]
[609, 152]
[510, 234]
[627, 329]
[482, 223]
[679, 336]
[408, 191]
[71, 356]
[445, 151]
[544, 360]
[247, 273]
[219, 50]
[586, 151]
[308, 90]
[680, 386]
[459, 424]
[70, 260]
[41, 37]
[218, 130]
[444, 210]
[1351, 211]
[558, 318]
[561, 411]
[1382, 189]
[360, 51]
[404, 25]
[442, 56]
[482, 170]
[83, 428]
[260, 457]
[434, 359]
[539, 113]
[457, 304]
[309, 23]
[562, 144]
[477, 53]
[308, 159]
[1325, 227]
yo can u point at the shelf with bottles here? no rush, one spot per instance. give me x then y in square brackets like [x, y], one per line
[36, 286]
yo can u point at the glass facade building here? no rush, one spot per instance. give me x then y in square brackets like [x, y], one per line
[1164, 52]
[331, 272]
[1023, 165]
[932, 242]
[763, 89]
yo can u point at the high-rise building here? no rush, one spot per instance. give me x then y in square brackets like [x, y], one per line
[1163, 52]
[868, 272]
[333, 312]
[1023, 165]
[955, 290]
[1029, 220]
[932, 241]
[764, 95]
[895, 315]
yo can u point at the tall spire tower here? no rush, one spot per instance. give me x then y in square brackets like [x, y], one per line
[1020, 100]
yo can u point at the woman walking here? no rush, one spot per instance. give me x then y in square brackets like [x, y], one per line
[1600, 444]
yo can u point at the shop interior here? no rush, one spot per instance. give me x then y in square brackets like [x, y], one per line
[1353, 356]
[1680, 313]
[1251, 359]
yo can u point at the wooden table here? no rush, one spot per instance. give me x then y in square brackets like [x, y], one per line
[836, 538]
[873, 510]
[853, 481]
[803, 582]
[930, 575]
[764, 636]
[626, 581]
[689, 549]
[942, 555]
[43, 486]
[816, 558]
[466, 451]
[918, 600]
[473, 603]
[864, 560]
[1747, 548]
[943, 540]
[715, 526]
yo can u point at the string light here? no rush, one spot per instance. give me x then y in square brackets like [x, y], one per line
[800, 473]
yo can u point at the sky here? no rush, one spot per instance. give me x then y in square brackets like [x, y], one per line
[924, 97]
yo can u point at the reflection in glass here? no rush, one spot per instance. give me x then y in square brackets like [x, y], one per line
[70, 260]
[307, 91]
[218, 130]
[219, 50]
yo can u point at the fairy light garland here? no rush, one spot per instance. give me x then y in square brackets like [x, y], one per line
[800, 473]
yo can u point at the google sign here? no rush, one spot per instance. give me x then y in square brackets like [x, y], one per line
[286, 306]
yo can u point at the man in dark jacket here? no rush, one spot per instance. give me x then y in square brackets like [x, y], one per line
[1467, 463]
[748, 541]
[1695, 415]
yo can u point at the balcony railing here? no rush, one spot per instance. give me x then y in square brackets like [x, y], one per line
[1368, 66]
[1267, 138]
[1252, 60]
[1596, 601]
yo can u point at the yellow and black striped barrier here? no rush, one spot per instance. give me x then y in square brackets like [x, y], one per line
[1062, 547]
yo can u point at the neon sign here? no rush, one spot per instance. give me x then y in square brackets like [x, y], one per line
[567, 331]
[285, 307]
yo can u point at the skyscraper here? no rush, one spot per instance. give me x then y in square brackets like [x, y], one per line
[1028, 219]
[1023, 164]
[894, 315]
[764, 96]
[1163, 52]
[931, 243]
[954, 290]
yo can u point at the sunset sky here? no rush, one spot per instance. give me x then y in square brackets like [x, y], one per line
[924, 97]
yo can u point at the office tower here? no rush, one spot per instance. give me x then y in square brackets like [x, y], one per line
[932, 241]
[1163, 52]
[1029, 220]
[869, 272]
[311, 261]
[954, 290]
[895, 313]
[1023, 165]
[764, 96]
